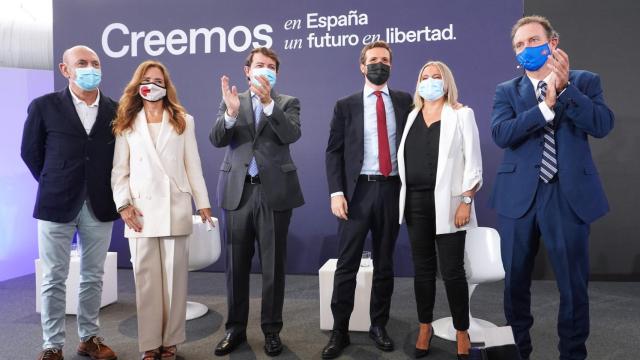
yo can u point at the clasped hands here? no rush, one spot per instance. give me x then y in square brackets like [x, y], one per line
[230, 94]
[559, 78]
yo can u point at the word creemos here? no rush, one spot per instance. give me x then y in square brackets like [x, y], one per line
[118, 41]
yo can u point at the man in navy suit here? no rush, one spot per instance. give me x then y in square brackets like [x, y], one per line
[67, 144]
[362, 172]
[547, 185]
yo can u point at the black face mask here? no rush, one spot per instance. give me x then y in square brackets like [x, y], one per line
[378, 73]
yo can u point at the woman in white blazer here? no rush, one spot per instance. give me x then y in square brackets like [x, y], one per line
[440, 165]
[156, 172]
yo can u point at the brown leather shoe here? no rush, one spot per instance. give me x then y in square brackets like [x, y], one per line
[96, 349]
[51, 354]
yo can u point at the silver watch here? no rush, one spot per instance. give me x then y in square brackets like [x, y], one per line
[467, 199]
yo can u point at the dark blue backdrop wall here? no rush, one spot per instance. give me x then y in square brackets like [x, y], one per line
[319, 44]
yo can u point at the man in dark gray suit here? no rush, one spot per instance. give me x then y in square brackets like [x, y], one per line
[257, 190]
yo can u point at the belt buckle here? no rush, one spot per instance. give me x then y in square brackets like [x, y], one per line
[371, 178]
[251, 180]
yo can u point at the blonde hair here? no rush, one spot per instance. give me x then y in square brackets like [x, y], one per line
[131, 101]
[450, 88]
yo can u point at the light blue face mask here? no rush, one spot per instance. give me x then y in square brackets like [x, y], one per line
[88, 78]
[266, 72]
[431, 89]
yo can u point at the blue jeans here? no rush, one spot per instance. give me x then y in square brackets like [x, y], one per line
[54, 245]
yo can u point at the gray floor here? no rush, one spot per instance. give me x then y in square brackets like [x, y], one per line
[614, 318]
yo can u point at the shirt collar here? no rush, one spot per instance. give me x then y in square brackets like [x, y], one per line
[535, 82]
[368, 91]
[77, 100]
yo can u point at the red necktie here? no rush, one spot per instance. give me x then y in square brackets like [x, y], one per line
[384, 155]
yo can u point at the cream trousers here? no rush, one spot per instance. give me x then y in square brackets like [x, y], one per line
[160, 267]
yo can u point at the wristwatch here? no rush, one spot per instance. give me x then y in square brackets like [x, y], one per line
[467, 199]
[123, 207]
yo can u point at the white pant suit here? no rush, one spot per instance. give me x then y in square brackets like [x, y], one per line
[159, 172]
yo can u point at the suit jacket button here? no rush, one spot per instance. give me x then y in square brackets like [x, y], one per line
[246, 165]
[537, 166]
[86, 158]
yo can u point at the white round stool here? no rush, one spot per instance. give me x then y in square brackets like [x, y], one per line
[483, 264]
[204, 250]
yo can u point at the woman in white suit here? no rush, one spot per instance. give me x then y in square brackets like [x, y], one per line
[440, 166]
[156, 173]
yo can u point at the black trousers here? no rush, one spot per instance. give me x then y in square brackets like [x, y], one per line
[421, 224]
[374, 208]
[253, 221]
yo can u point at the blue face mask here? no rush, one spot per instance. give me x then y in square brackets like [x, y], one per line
[532, 58]
[88, 78]
[431, 89]
[266, 72]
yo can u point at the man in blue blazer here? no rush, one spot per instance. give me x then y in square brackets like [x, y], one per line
[547, 185]
[67, 144]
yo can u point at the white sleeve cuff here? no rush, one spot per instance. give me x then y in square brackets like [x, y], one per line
[229, 121]
[546, 112]
[337, 193]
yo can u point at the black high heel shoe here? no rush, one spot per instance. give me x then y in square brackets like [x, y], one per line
[420, 353]
[464, 356]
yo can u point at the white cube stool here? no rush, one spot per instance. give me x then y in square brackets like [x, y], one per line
[360, 319]
[109, 283]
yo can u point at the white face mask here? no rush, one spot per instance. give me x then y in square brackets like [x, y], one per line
[266, 72]
[431, 89]
[152, 92]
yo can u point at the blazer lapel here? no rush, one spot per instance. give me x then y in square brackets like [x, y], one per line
[399, 116]
[246, 108]
[527, 93]
[357, 111]
[165, 132]
[70, 111]
[143, 131]
[448, 126]
[102, 119]
[410, 120]
[262, 123]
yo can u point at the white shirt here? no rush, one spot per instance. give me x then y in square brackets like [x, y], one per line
[548, 113]
[86, 113]
[229, 121]
[154, 131]
[371, 162]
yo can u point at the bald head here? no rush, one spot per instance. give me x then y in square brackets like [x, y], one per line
[76, 57]
[72, 54]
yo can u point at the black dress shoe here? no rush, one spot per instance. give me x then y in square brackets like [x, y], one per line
[380, 337]
[272, 344]
[338, 341]
[229, 342]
